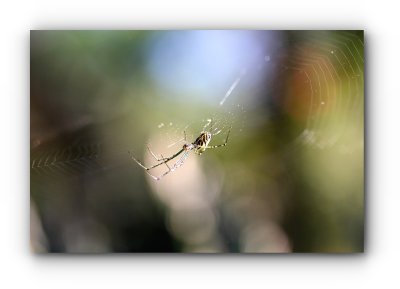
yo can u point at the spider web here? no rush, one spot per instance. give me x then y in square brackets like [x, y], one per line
[328, 69]
[335, 75]
[319, 84]
[72, 159]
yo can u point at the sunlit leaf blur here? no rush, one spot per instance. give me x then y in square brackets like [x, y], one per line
[291, 178]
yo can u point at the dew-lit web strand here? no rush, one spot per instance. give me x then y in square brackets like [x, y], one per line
[209, 121]
[39, 162]
[311, 94]
[310, 124]
[361, 78]
[176, 142]
[70, 161]
[39, 166]
[352, 65]
[43, 163]
[316, 123]
[341, 92]
[351, 89]
[311, 62]
[327, 61]
[349, 39]
[46, 159]
[312, 98]
[356, 75]
[349, 64]
[309, 65]
[232, 87]
[311, 118]
[318, 104]
[36, 163]
[230, 90]
[321, 62]
[178, 130]
[331, 96]
[337, 89]
[322, 88]
[348, 100]
[353, 38]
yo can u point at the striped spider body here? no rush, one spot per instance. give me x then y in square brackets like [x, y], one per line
[201, 143]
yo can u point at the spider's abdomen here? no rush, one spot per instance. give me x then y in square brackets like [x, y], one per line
[202, 142]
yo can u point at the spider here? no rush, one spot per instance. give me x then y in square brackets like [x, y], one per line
[199, 146]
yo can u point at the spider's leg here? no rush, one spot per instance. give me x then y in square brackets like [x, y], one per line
[154, 177]
[221, 145]
[156, 165]
[166, 163]
[147, 169]
[137, 161]
[179, 163]
[154, 155]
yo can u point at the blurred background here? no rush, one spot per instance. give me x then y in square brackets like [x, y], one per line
[291, 178]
